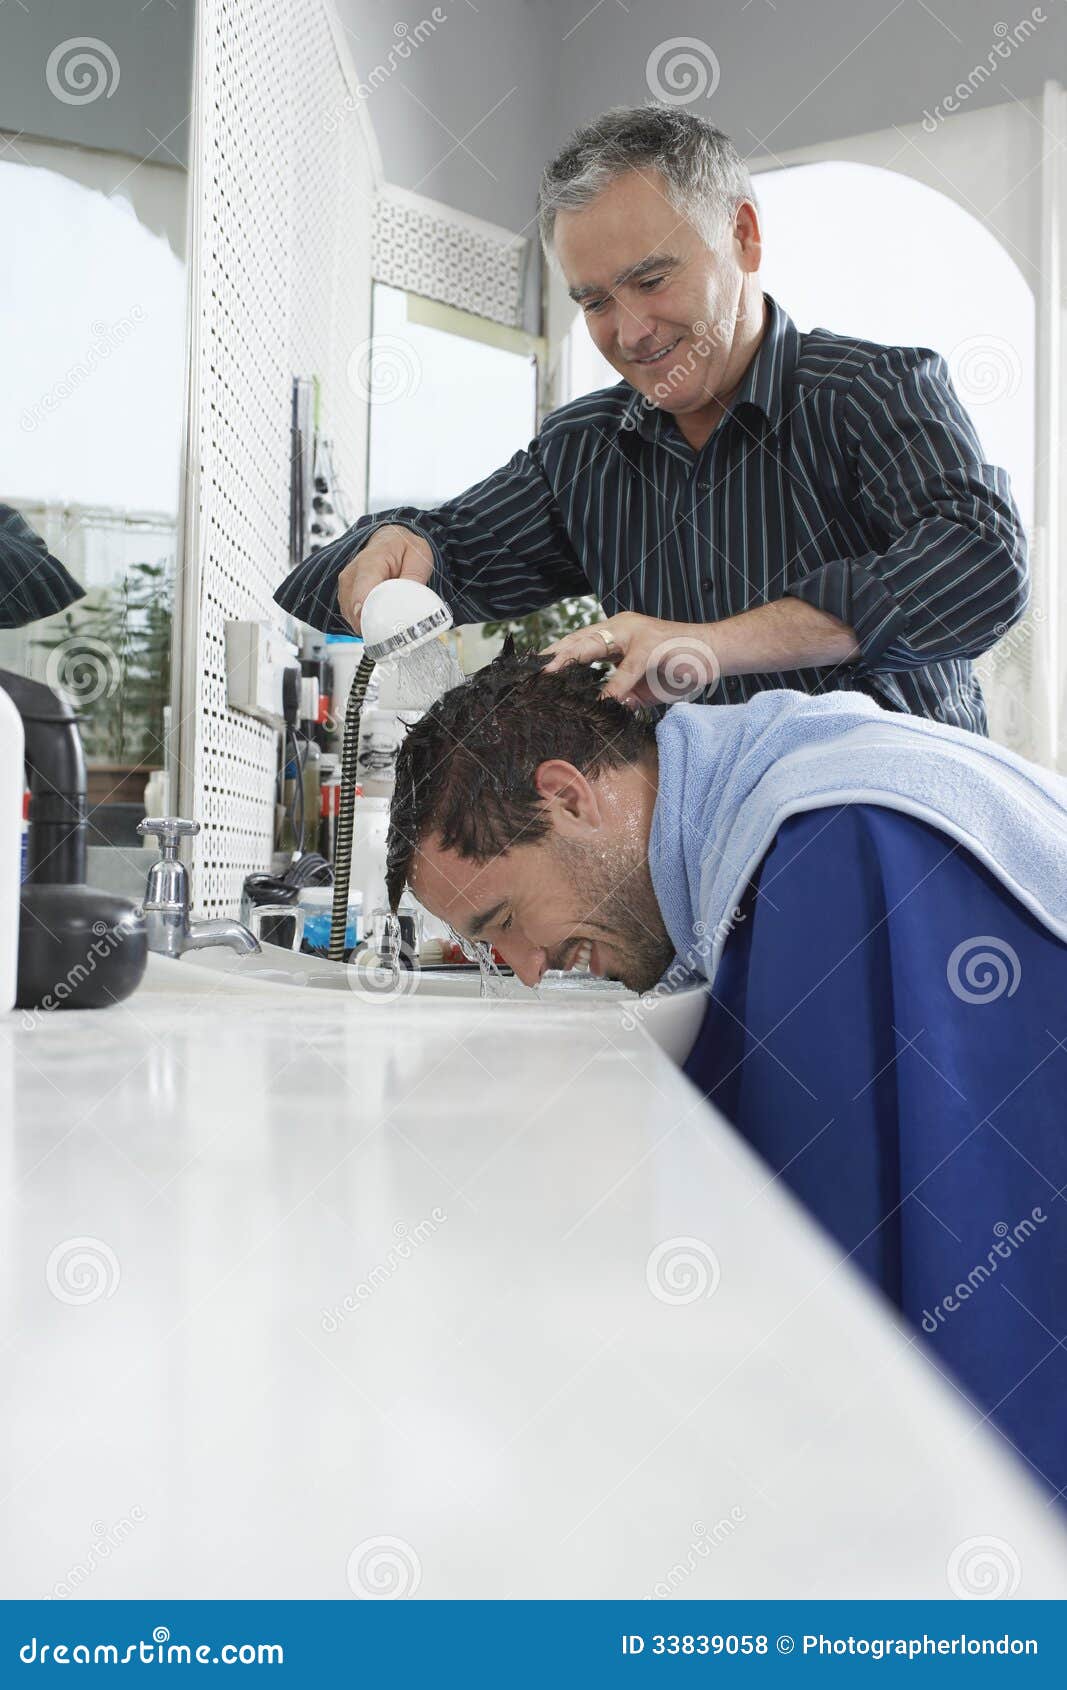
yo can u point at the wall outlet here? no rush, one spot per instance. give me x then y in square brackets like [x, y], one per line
[257, 656]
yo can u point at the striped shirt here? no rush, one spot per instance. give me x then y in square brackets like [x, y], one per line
[844, 473]
[33, 583]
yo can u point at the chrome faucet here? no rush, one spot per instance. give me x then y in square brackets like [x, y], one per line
[166, 903]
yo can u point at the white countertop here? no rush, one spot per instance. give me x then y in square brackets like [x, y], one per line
[504, 1399]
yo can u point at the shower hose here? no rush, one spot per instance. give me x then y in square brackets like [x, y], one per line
[342, 856]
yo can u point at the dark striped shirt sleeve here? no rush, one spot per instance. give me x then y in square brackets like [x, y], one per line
[949, 572]
[33, 583]
[500, 549]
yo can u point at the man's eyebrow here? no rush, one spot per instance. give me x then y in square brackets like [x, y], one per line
[477, 926]
[656, 261]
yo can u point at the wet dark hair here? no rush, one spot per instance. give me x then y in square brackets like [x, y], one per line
[466, 770]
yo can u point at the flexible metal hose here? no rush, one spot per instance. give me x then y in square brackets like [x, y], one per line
[342, 850]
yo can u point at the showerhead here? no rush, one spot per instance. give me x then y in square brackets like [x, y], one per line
[398, 616]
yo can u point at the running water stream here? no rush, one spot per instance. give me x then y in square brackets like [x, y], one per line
[417, 680]
[493, 983]
[420, 677]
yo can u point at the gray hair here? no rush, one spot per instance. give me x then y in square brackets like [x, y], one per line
[706, 178]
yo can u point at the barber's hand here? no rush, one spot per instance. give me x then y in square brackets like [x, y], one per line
[390, 552]
[656, 662]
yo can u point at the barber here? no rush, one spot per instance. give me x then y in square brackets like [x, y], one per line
[753, 507]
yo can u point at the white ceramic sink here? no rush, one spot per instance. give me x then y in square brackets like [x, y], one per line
[672, 1021]
[276, 967]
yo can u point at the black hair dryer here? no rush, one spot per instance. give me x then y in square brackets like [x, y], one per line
[79, 948]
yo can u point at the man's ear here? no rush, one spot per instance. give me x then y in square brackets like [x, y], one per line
[572, 804]
[746, 232]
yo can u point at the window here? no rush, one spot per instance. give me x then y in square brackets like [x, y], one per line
[873, 253]
[92, 321]
[445, 408]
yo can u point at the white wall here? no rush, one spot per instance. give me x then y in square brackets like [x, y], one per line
[787, 76]
[143, 95]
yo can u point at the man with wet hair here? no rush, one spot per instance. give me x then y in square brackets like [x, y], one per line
[520, 816]
[536, 813]
[876, 907]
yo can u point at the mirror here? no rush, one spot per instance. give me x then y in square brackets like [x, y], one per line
[429, 361]
[93, 180]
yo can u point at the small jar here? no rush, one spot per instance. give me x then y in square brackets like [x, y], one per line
[317, 905]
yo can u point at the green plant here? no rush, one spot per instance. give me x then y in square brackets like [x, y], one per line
[111, 657]
[540, 627]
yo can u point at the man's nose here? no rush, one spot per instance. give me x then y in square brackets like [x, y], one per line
[528, 961]
[637, 333]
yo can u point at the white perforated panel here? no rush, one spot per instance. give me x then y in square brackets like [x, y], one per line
[431, 250]
[282, 200]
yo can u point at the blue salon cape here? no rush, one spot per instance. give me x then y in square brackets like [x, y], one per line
[888, 1028]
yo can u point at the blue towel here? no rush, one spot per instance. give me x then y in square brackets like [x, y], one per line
[729, 775]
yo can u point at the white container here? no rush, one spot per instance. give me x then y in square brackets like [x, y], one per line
[12, 778]
[370, 829]
[317, 905]
[156, 803]
[380, 735]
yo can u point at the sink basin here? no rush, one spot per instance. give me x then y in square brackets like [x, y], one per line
[672, 1021]
[274, 966]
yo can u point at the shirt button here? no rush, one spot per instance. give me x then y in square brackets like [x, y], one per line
[703, 486]
[707, 582]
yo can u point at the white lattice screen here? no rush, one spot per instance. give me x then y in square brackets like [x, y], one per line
[427, 248]
[281, 204]
[289, 221]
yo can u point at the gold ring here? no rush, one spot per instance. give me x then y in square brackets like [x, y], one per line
[608, 638]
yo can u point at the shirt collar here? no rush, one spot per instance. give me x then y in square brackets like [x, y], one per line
[765, 383]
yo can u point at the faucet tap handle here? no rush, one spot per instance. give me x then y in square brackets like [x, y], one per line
[168, 830]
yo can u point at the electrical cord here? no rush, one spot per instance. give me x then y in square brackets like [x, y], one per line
[311, 869]
[298, 790]
[286, 760]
